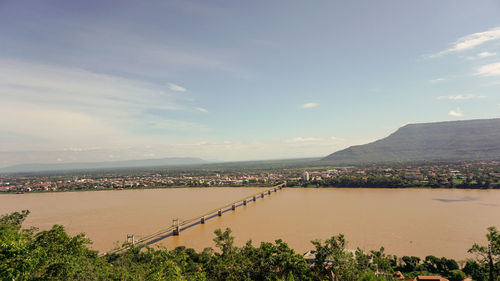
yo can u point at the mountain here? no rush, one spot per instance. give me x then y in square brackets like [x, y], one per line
[174, 161]
[442, 141]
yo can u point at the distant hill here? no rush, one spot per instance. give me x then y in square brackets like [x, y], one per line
[442, 141]
[177, 161]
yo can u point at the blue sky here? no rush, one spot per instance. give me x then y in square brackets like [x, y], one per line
[236, 80]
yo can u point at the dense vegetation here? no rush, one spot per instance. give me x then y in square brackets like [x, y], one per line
[483, 182]
[28, 254]
[443, 141]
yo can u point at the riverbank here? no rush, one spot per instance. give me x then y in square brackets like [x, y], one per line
[249, 186]
[128, 188]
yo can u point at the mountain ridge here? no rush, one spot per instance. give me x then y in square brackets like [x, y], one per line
[463, 140]
[45, 167]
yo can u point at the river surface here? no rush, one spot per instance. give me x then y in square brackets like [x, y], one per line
[444, 222]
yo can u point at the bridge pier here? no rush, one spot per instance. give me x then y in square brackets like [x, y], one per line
[219, 213]
[233, 207]
[202, 220]
[245, 202]
[131, 238]
[175, 224]
[262, 195]
[269, 192]
[254, 198]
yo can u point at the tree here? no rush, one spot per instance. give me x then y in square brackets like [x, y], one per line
[489, 256]
[439, 265]
[224, 241]
[59, 256]
[269, 261]
[363, 260]
[332, 257]
[372, 277]
[411, 263]
[381, 261]
[14, 247]
[456, 275]
[475, 270]
[47, 255]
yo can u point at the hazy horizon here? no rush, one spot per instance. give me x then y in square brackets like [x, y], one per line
[103, 81]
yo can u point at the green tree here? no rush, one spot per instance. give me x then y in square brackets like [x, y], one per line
[269, 261]
[381, 261]
[489, 256]
[372, 277]
[363, 260]
[410, 263]
[475, 270]
[332, 257]
[456, 275]
[46, 255]
[14, 247]
[224, 241]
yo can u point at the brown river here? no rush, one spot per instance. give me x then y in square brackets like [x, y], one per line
[416, 222]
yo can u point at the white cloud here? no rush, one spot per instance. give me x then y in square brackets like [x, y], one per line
[482, 55]
[203, 148]
[491, 84]
[304, 139]
[53, 107]
[310, 105]
[147, 55]
[316, 141]
[472, 40]
[176, 88]
[437, 80]
[492, 69]
[201, 109]
[486, 54]
[334, 138]
[55, 124]
[456, 112]
[461, 97]
[160, 124]
[80, 149]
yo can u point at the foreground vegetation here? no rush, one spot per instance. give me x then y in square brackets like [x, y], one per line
[29, 254]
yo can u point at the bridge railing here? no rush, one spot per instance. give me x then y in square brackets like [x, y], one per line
[227, 206]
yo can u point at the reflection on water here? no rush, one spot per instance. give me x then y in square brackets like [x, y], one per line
[404, 221]
[447, 200]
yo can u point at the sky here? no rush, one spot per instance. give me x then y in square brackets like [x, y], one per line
[236, 80]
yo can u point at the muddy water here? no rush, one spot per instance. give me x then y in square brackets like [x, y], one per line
[405, 221]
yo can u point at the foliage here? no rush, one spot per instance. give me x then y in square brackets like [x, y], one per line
[456, 275]
[475, 270]
[372, 277]
[48, 255]
[488, 257]
[333, 259]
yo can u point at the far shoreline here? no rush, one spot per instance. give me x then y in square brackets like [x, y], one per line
[221, 187]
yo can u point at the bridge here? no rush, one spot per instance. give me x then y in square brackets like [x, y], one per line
[178, 226]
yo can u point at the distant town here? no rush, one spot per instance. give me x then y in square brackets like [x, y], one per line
[479, 174]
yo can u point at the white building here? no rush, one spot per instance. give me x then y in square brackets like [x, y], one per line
[305, 176]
